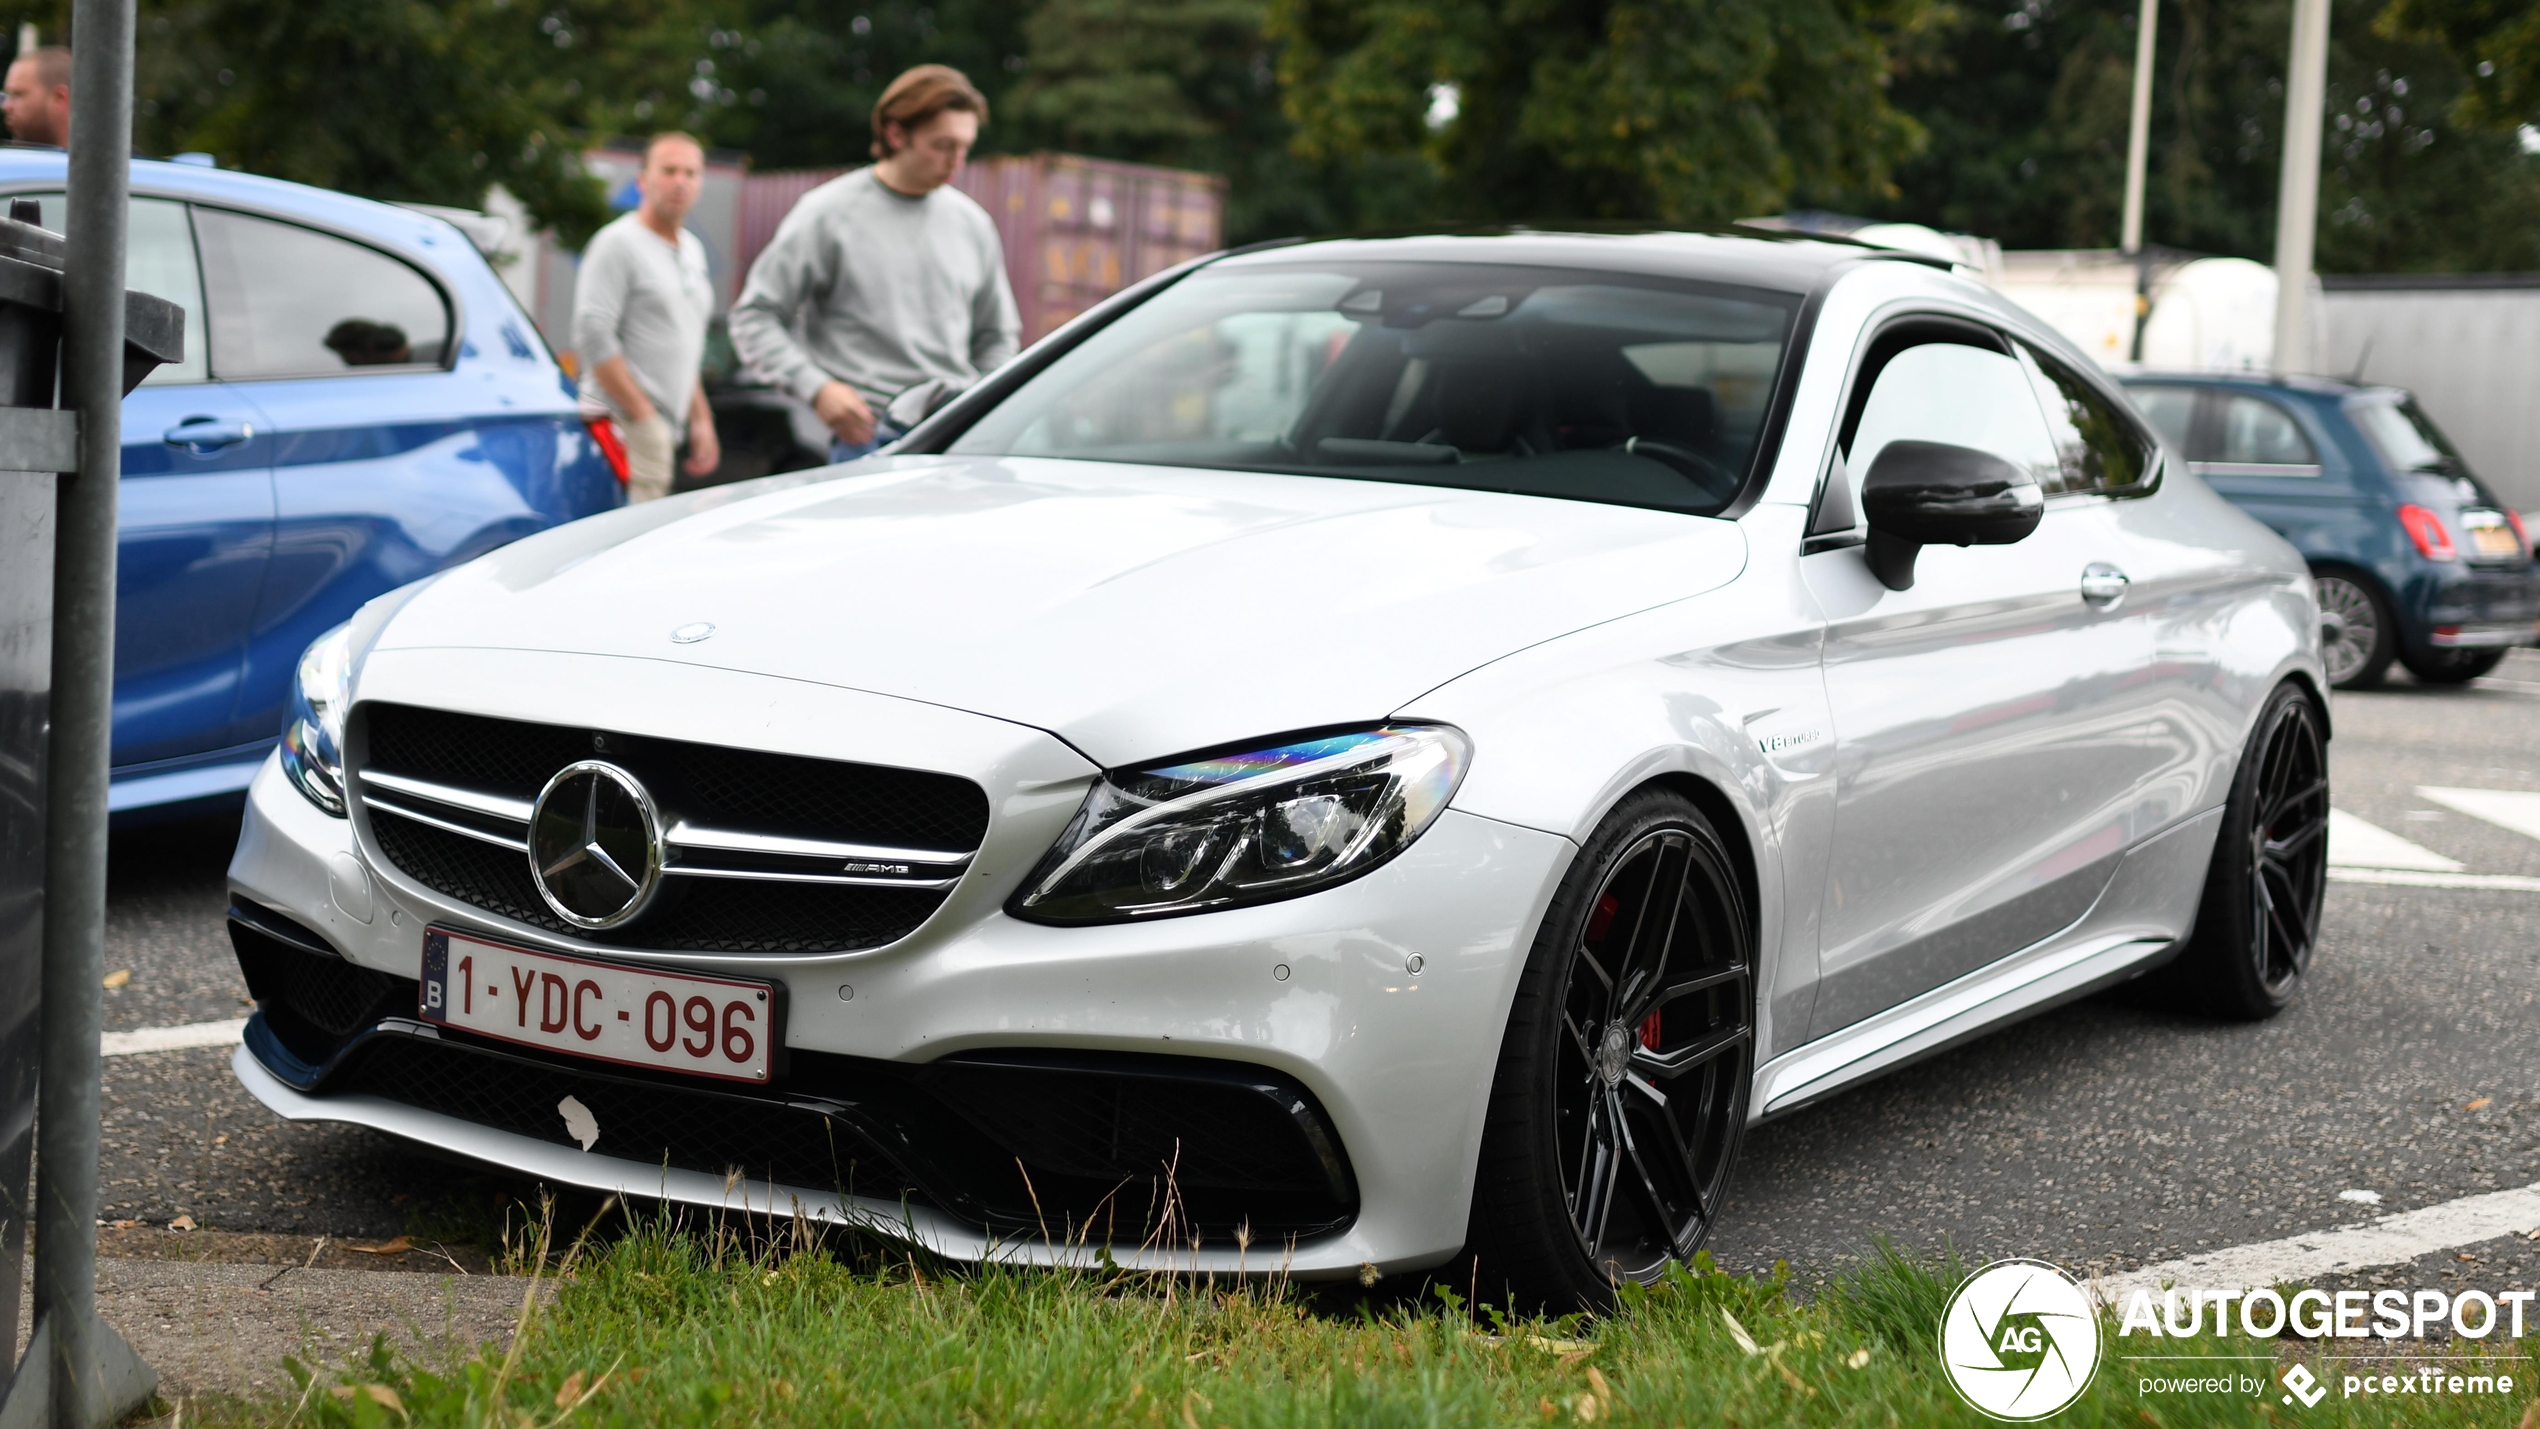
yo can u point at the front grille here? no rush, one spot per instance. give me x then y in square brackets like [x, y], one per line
[705, 915]
[744, 791]
[652, 1123]
[1111, 1149]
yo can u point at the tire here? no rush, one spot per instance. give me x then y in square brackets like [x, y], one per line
[2259, 922]
[1622, 1085]
[2451, 667]
[2358, 634]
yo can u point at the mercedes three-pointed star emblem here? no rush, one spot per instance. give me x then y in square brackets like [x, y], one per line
[595, 845]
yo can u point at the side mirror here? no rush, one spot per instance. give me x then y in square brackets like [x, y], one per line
[1933, 494]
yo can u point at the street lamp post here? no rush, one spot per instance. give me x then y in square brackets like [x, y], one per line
[2298, 200]
[2138, 146]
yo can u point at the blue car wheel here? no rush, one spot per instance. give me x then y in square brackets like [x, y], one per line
[2357, 635]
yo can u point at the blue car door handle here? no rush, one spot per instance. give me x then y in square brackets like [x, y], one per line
[205, 435]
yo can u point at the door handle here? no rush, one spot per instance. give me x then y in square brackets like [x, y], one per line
[2103, 585]
[205, 435]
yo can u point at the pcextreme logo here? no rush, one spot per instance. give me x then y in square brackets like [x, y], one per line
[2019, 1341]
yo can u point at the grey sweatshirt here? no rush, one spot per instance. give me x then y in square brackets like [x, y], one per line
[878, 290]
[639, 298]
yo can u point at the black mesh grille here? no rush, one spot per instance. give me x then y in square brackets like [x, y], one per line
[1104, 1125]
[774, 793]
[648, 1122]
[726, 788]
[764, 793]
[312, 1000]
[694, 915]
[498, 756]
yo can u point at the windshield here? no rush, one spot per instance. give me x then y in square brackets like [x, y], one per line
[1547, 382]
[2405, 436]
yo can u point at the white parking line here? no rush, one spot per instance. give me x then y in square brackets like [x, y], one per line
[172, 1039]
[2392, 1240]
[2353, 842]
[2414, 878]
[2506, 808]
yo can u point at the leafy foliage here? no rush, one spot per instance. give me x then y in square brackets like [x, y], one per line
[1678, 111]
[2496, 41]
[2027, 108]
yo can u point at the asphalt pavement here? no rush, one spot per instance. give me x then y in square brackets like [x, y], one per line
[2104, 1133]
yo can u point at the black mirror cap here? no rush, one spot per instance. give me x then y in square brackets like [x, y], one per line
[1935, 494]
[1932, 493]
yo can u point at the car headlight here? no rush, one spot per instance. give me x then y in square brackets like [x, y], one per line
[1251, 826]
[313, 737]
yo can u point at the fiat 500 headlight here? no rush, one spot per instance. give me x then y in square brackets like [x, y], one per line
[313, 737]
[1222, 830]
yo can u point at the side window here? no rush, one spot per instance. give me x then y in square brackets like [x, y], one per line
[2098, 447]
[2252, 431]
[288, 301]
[2172, 413]
[159, 260]
[1950, 392]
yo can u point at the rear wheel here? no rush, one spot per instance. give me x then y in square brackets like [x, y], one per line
[2452, 667]
[2358, 638]
[2263, 891]
[1622, 1084]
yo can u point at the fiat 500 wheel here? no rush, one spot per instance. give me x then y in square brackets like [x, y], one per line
[1623, 1081]
[2357, 637]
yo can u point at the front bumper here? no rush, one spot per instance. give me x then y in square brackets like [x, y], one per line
[1315, 991]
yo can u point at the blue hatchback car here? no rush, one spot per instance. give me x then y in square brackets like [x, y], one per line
[361, 404]
[2415, 559]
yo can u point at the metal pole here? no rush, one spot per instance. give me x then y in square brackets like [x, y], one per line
[2298, 201]
[83, 706]
[2138, 132]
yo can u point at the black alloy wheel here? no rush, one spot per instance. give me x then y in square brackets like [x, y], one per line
[1623, 1083]
[2452, 667]
[2269, 878]
[2358, 638]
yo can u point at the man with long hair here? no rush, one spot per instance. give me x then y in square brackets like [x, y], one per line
[887, 278]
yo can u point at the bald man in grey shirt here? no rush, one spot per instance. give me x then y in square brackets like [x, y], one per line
[883, 279]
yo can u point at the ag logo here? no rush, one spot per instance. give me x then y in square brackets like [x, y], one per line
[2019, 1340]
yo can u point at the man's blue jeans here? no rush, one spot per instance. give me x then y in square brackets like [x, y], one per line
[883, 435]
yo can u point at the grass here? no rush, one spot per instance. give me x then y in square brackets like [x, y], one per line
[693, 1323]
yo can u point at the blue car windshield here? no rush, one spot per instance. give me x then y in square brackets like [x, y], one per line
[1541, 381]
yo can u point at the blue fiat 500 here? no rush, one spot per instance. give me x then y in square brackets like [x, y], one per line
[2415, 559]
[361, 404]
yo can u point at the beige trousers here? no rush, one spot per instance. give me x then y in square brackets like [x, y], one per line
[650, 451]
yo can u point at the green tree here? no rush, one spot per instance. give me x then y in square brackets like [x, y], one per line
[2496, 43]
[794, 83]
[1193, 84]
[2027, 116]
[1680, 111]
[399, 99]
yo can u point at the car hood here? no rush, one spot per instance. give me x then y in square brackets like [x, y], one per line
[1133, 611]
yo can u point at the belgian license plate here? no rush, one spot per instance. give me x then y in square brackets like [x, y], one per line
[609, 1012]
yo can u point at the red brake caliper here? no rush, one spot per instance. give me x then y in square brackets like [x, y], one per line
[1649, 1032]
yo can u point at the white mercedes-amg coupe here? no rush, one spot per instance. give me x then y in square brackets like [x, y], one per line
[1347, 754]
